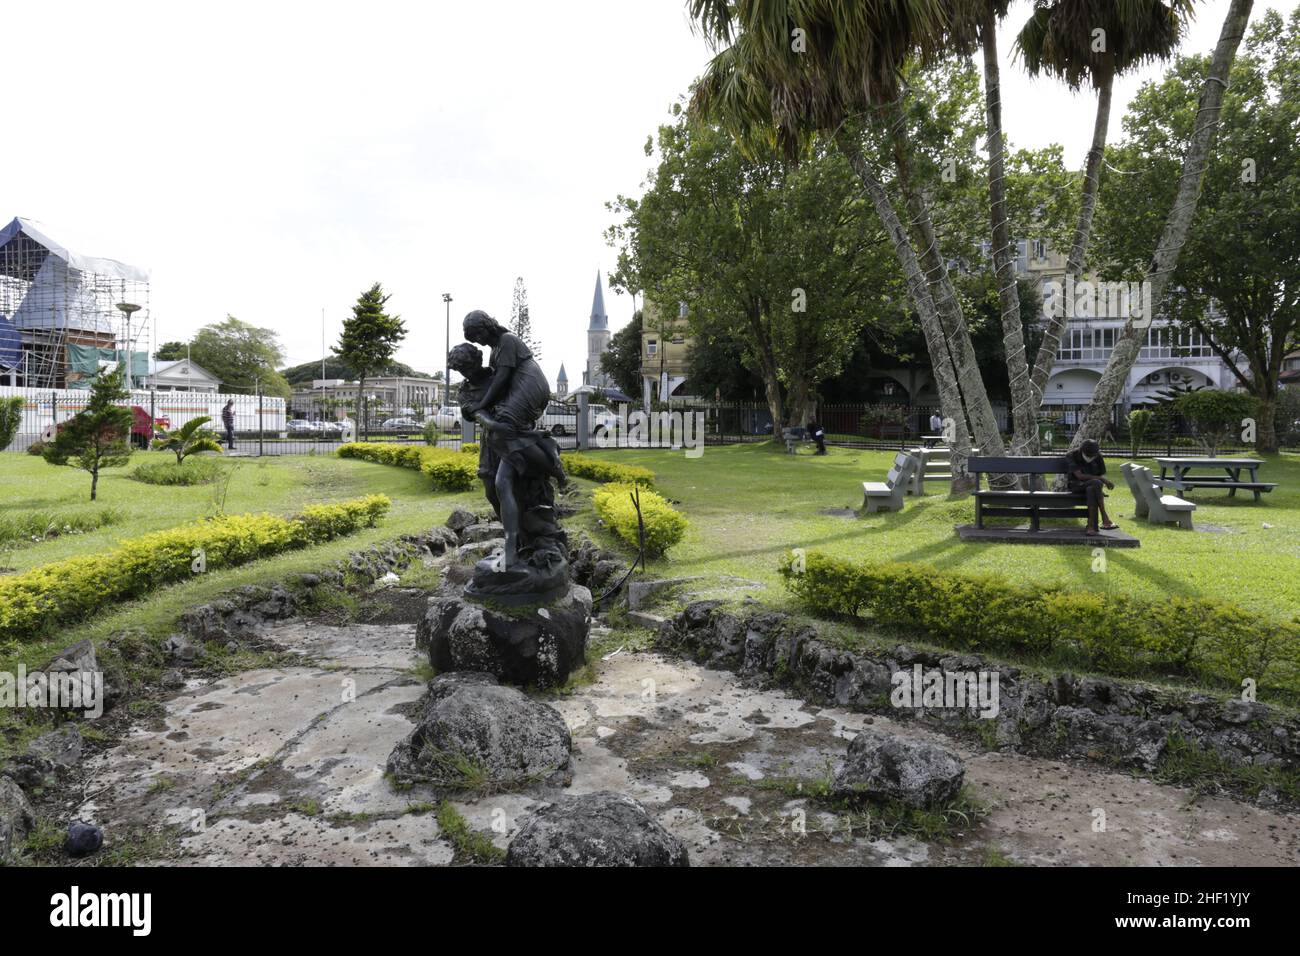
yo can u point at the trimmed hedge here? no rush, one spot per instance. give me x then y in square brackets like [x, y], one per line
[469, 448]
[35, 601]
[449, 470]
[1115, 633]
[664, 524]
[585, 466]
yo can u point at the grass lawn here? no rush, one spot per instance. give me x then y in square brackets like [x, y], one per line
[278, 485]
[749, 504]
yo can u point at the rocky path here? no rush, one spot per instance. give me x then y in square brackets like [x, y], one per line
[286, 766]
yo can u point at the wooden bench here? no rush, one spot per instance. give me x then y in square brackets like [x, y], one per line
[1156, 508]
[1034, 504]
[889, 493]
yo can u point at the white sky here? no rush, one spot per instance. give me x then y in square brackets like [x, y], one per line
[272, 159]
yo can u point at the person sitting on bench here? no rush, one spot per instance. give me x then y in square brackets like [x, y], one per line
[1086, 470]
[818, 435]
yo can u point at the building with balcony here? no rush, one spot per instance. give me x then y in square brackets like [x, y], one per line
[665, 344]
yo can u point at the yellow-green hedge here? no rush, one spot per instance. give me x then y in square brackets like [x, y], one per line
[1115, 633]
[469, 448]
[586, 466]
[33, 602]
[664, 524]
[449, 470]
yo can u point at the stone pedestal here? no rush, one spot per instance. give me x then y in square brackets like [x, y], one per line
[528, 646]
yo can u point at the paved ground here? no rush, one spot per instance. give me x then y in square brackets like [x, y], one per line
[286, 766]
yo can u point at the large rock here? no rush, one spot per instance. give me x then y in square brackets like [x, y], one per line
[473, 733]
[598, 829]
[460, 519]
[48, 757]
[884, 767]
[17, 820]
[483, 531]
[537, 646]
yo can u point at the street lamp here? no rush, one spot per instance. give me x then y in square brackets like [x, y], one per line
[446, 372]
[128, 309]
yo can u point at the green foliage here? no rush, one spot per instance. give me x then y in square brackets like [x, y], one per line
[665, 526]
[190, 438]
[1216, 416]
[11, 416]
[38, 600]
[334, 367]
[99, 436]
[243, 356]
[1116, 633]
[198, 471]
[622, 360]
[369, 339]
[469, 448]
[449, 470]
[431, 432]
[1139, 423]
[469, 845]
[36, 448]
[596, 469]
[24, 526]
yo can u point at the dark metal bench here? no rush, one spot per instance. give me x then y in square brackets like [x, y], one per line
[1036, 503]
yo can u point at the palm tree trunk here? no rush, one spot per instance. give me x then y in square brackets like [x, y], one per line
[1024, 408]
[945, 375]
[1177, 224]
[984, 424]
[1055, 324]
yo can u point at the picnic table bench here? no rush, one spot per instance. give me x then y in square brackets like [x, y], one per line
[1230, 479]
[889, 493]
[1034, 504]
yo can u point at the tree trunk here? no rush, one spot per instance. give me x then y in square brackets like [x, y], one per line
[984, 424]
[1265, 422]
[1177, 224]
[94, 481]
[945, 375]
[1055, 324]
[1024, 407]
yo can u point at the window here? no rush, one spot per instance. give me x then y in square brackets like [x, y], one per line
[1169, 343]
[1087, 345]
[1022, 255]
[651, 347]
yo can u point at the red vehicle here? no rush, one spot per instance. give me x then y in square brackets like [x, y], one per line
[142, 430]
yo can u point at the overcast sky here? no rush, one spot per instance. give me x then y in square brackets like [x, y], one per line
[273, 159]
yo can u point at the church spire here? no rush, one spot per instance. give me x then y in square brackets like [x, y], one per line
[599, 320]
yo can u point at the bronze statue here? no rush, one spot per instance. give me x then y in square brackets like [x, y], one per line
[517, 463]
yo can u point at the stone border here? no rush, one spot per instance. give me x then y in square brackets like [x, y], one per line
[1121, 723]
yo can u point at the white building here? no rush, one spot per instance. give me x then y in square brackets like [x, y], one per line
[180, 375]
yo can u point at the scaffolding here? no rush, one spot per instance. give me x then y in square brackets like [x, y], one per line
[73, 313]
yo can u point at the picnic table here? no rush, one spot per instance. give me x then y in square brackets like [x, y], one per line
[1230, 478]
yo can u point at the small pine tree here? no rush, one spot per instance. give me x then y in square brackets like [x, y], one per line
[98, 437]
[11, 416]
[368, 341]
[520, 323]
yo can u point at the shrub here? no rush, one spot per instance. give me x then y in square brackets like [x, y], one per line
[1216, 416]
[42, 525]
[39, 600]
[11, 416]
[469, 448]
[1139, 423]
[1117, 634]
[196, 471]
[449, 470]
[585, 466]
[36, 448]
[664, 524]
[431, 432]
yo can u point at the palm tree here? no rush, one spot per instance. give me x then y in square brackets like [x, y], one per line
[787, 69]
[1061, 39]
[191, 437]
[1177, 224]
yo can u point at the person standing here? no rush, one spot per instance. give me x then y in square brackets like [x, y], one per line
[936, 424]
[818, 435]
[228, 420]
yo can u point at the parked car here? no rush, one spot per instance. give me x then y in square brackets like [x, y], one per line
[143, 428]
[448, 417]
[602, 420]
[559, 419]
[397, 423]
[300, 427]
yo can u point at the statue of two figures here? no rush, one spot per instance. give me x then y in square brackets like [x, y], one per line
[518, 464]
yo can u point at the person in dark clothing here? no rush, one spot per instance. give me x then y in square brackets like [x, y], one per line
[1086, 470]
[228, 420]
[818, 434]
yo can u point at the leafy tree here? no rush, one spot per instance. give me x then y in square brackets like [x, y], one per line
[369, 339]
[243, 356]
[1216, 416]
[99, 436]
[622, 360]
[1238, 279]
[11, 416]
[781, 260]
[170, 352]
[1139, 423]
[520, 323]
[190, 438]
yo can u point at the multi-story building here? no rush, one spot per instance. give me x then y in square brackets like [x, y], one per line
[665, 344]
[389, 395]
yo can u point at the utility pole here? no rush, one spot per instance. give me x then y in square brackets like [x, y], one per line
[446, 373]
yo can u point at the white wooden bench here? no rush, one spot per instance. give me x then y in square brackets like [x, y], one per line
[889, 493]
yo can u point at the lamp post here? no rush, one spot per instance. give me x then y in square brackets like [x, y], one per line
[128, 309]
[446, 372]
